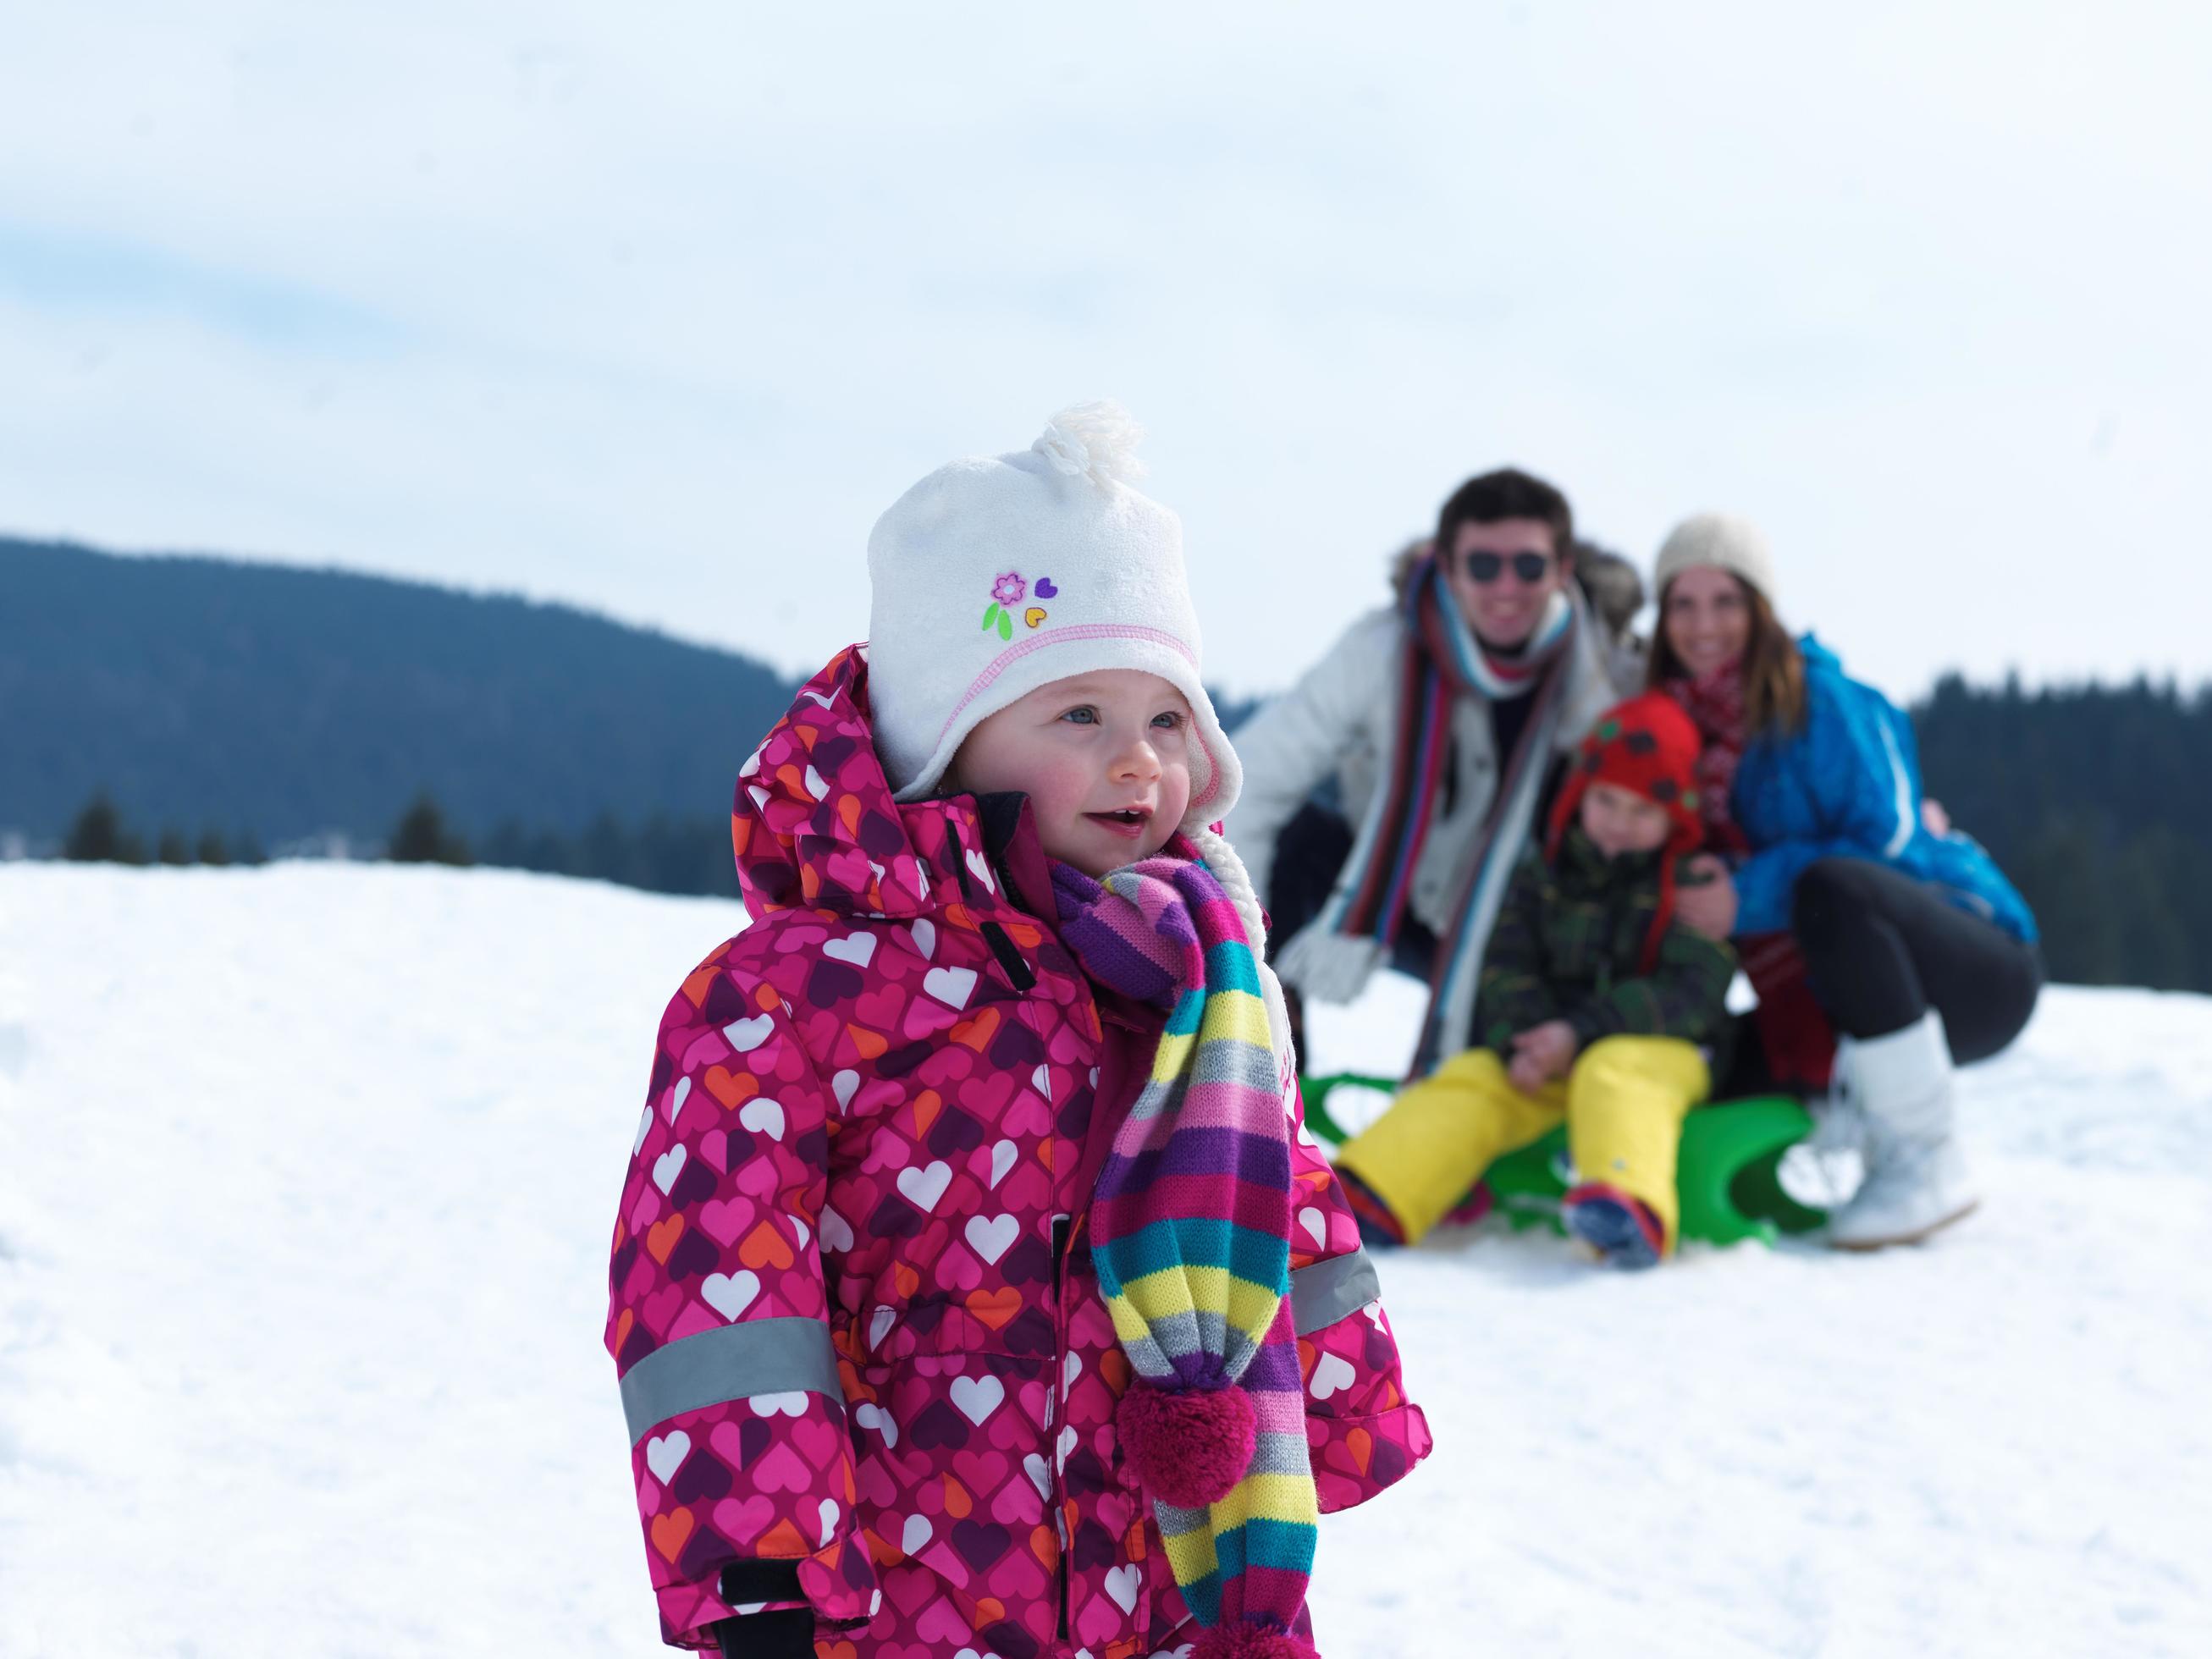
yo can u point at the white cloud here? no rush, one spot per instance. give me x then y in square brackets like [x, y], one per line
[655, 312]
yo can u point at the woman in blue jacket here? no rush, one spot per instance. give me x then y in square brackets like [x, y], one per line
[1854, 904]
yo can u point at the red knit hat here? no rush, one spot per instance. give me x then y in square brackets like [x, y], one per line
[1649, 746]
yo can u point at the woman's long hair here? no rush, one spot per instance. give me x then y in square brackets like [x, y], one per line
[1773, 670]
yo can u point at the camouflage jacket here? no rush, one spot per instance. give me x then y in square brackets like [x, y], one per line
[1567, 945]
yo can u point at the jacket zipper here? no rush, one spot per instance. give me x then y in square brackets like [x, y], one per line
[1063, 1230]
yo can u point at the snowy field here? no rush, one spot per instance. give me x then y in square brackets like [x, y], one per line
[306, 1175]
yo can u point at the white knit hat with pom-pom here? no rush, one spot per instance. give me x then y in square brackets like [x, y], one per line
[994, 576]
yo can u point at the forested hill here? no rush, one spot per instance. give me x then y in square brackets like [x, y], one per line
[282, 702]
[268, 703]
[2098, 802]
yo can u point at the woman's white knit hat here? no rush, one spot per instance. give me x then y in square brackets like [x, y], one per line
[1723, 541]
[993, 577]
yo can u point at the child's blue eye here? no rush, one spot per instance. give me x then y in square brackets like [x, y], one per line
[1170, 720]
[1085, 715]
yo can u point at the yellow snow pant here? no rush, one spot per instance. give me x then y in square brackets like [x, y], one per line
[1624, 1101]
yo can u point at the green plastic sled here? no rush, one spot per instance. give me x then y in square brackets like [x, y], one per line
[1727, 1173]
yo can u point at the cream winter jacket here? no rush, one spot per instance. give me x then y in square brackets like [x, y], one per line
[1338, 719]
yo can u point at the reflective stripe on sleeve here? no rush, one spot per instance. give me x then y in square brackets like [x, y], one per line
[762, 1355]
[1326, 1291]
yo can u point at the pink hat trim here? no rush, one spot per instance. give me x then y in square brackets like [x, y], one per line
[1012, 654]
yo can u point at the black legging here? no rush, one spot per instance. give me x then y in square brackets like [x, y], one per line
[1882, 949]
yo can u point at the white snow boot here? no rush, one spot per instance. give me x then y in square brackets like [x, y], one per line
[1915, 1173]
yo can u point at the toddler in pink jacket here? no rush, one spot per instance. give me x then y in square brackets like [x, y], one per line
[975, 1286]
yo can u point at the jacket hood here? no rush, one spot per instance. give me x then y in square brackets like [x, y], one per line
[813, 823]
[1818, 656]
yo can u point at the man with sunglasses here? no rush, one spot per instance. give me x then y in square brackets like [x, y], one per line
[1389, 793]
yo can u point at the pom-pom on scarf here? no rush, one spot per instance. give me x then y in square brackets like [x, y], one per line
[1190, 1227]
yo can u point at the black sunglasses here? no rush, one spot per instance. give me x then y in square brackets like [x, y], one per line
[1488, 566]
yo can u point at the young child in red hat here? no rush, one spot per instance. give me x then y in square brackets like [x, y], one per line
[1594, 1005]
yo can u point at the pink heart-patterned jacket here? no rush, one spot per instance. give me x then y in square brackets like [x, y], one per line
[863, 1358]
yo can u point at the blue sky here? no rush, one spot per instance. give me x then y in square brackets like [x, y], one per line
[655, 312]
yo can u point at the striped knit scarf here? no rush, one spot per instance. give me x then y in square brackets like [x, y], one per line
[1794, 1031]
[1190, 1227]
[1332, 955]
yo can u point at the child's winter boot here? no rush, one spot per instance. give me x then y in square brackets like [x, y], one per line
[1915, 1173]
[1619, 1226]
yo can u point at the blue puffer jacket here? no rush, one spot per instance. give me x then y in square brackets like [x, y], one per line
[1848, 786]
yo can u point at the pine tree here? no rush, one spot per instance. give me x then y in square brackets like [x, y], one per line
[171, 848]
[212, 849]
[99, 835]
[423, 838]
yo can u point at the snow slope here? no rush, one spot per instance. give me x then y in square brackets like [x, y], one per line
[306, 1175]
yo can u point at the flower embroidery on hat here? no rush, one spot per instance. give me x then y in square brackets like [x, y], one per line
[1010, 590]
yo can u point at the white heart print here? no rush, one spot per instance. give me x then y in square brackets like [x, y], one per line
[925, 937]
[731, 1294]
[845, 1085]
[915, 1534]
[1002, 1159]
[869, 1415]
[763, 1116]
[859, 949]
[678, 1096]
[923, 1187]
[747, 1035]
[978, 1397]
[950, 986]
[1331, 1372]
[993, 1238]
[1122, 1585]
[836, 1232]
[664, 1454]
[668, 1166]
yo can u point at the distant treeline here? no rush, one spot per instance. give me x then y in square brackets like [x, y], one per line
[660, 853]
[192, 710]
[2096, 800]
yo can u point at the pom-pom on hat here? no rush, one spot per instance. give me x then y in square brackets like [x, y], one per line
[1649, 746]
[1724, 542]
[992, 577]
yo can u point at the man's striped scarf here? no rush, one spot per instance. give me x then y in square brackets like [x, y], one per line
[1191, 1218]
[1332, 956]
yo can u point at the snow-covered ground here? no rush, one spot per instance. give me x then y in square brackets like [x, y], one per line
[305, 1175]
